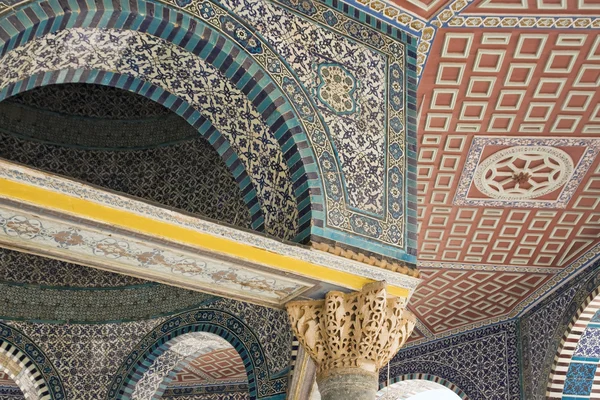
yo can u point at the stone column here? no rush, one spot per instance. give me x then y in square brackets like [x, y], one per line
[350, 337]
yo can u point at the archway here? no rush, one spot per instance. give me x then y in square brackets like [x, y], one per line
[196, 363]
[28, 366]
[261, 384]
[9, 389]
[271, 149]
[573, 372]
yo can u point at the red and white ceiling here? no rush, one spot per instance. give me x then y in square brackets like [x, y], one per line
[508, 165]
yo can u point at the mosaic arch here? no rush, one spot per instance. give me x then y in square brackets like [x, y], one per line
[314, 130]
[179, 353]
[575, 368]
[21, 377]
[405, 386]
[261, 384]
[276, 182]
[25, 362]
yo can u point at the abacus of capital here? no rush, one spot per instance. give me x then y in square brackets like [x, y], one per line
[350, 336]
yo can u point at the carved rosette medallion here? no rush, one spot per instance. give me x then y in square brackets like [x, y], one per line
[523, 172]
[357, 330]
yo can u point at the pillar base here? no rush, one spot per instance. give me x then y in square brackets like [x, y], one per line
[348, 384]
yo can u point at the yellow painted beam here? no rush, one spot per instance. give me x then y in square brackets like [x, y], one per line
[127, 220]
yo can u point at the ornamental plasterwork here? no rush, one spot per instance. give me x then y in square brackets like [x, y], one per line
[356, 330]
[55, 184]
[523, 172]
[568, 178]
[19, 228]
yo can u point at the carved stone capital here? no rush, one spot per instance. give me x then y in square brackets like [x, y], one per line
[356, 330]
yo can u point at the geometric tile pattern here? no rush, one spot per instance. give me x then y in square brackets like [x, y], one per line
[365, 221]
[93, 132]
[95, 101]
[579, 380]
[535, 7]
[180, 350]
[422, 8]
[545, 330]
[448, 299]
[268, 172]
[136, 365]
[360, 137]
[86, 356]
[34, 373]
[511, 82]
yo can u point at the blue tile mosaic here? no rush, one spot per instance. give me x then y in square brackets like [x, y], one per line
[257, 59]
[580, 378]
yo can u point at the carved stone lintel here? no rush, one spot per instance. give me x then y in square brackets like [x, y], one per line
[361, 330]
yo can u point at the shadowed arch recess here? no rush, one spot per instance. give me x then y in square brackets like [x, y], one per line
[162, 160]
[196, 40]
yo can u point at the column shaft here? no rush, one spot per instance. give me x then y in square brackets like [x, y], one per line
[356, 385]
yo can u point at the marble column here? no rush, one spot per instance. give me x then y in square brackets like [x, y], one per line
[350, 336]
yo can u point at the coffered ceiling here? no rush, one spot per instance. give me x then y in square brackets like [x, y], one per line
[508, 166]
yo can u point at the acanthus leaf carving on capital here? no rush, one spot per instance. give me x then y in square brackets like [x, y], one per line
[352, 330]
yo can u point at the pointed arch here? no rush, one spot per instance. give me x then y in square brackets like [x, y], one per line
[577, 358]
[283, 205]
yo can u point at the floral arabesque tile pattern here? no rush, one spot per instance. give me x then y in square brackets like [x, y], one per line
[184, 349]
[213, 94]
[589, 343]
[363, 229]
[357, 136]
[37, 365]
[543, 327]
[580, 378]
[87, 356]
[261, 381]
